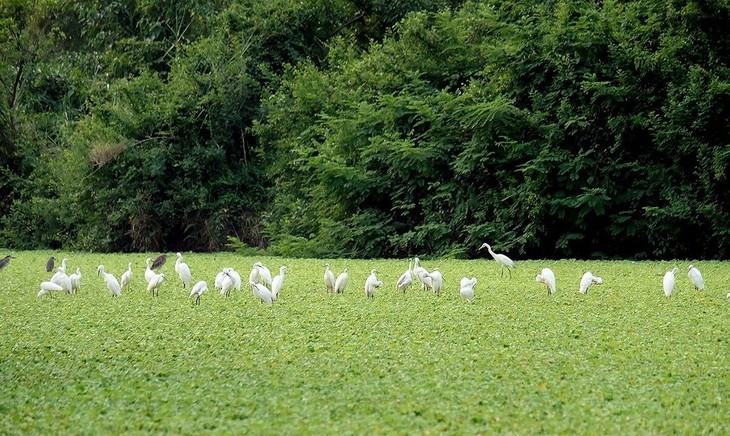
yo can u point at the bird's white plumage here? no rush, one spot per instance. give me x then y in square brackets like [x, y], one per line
[587, 280]
[148, 273]
[668, 282]
[76, 280]
[502, 260]
[437, 280]
[371, 284]
[467, 288]
[198, 290]
[547, 276]
[226, 285]
[183, 270]
[127, 276]
[329, 278]
[111, 282]
[47, 287]
[420, 272]
[696, 277]
[235, 276]
[219, 279]
[277, 282]
[341, 282]
[262, 292]
[264, 273]
[405, 279]
[153, 286]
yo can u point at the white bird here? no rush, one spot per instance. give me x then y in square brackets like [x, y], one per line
[235, 277]
[255, 274]
[264, 273]
[419, 272]
[56, 277]
[183, 270]
[148, 273]
[467, 288]
[437, 280]
[153, 287]
[501, 259]
[696, 276]
[127, 276]
[425, 279]
[587, 280]
[219, 279]
[371, 284]
[329, 278]
[547, 276]
[111, 281]
[198, 290]
[262, 292]
[277, 282]
[405, 279]
[226, 285]
[341, 282]
[668, 282]
[47, 287]
[76, 280]
[64, 281]
[62, 268]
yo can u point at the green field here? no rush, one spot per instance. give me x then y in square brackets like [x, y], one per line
[622, 358]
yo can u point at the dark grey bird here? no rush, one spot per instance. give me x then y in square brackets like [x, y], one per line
[49, 263]
[5, 260]
[157, 264]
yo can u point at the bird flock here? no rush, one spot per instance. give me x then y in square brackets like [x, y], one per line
[267, 289]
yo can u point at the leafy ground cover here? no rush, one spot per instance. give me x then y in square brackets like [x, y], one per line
[621, 358]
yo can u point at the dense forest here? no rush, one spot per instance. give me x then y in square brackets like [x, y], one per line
[364, 128]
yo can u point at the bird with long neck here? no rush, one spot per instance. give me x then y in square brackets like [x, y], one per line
[501, 259]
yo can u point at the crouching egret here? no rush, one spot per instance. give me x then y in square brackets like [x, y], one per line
[341, 282]
[405, 279]
[696, 277]
[48, 287]
[547, 276]
[587, 280]
[111, 282]
[277, 283]
[329, 278]
[501, 259]
[467, 288]
[437, 281]
[261, 292]
[183, 270]
[198, 290]
[127, 276]
[668, 282]
[154, 285]
[371, 284]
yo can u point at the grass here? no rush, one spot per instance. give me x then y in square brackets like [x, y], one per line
[622, 358]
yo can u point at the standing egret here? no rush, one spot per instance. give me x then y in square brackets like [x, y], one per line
[255, 274]
[329, 278]
[50, 263]
[62, 268]
[264, 273]
[111, 282]
[127, 276]
[467, 288]
[277, 282]
[419, 271]
[437, 281]
[668, 282]
[587, 280]
[157, 263]
[56, 278]
[226, 284]
[198, 290]
[501, 259]
[64, 281]
[235, 277]
[48, 287]
[425, 278]
[341, 282]
[405, 279]
[371, 284]
[218, 282]
[183, 270]
[148, 273]
[261, 292]
[76, 280]
[547, 276]
[154, 285]
[5, 260]
[696, 276]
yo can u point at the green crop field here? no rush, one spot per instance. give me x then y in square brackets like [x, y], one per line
[622, 358]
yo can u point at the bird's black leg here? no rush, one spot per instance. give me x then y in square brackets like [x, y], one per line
[510, 273]
[501, 272]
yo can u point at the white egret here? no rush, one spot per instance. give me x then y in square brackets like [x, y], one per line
[341, 282]
[668, 282]
[218, 283]
[111, 282]
[404, 281]
[587, 280]
[255, 274]
[419, 272]
[148, 273]
[329, 278]
[437, 280]
[277, 283]
[371, 284]
[467, 288]
[264, 273]
[48, 287]
[127, 276]
[425, 278]
[76, 280]
[547, 276]
[198, 290]
[62, 268]
[56, 278]
[157, 263]
[235, 277]
[501, 259]
[183, 270]
[153, 287]
[261, 292]
[64, 281]
[696, 277]
[226, 285]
